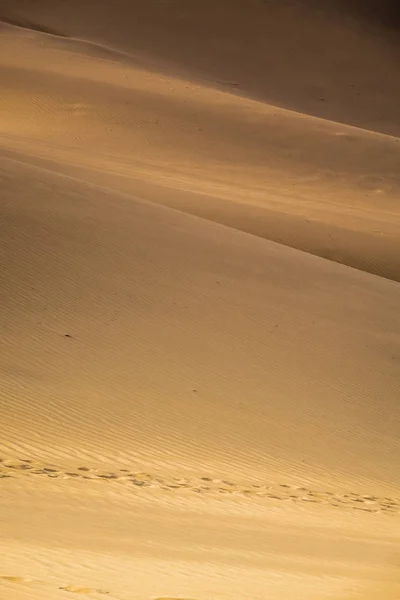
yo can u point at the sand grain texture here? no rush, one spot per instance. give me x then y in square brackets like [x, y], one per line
[200, 357]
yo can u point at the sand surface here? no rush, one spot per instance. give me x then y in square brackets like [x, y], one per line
[200, 292]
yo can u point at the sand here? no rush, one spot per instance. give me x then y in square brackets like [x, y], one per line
[200, 326]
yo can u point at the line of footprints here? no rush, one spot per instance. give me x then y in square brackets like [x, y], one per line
[73, 589]
[205, 485]
[67, 588]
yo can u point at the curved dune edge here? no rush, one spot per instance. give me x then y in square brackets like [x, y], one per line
[326, 189]
[336, 61]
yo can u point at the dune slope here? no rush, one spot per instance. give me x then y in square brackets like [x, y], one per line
[144, 346]
[172, 305]
[311, 184]
[336, 60]
[200, 327]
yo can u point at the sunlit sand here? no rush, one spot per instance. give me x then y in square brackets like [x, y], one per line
[200, 323]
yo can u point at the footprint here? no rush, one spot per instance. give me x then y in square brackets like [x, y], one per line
[67, 588]
[74, 589]
[19, 467]
[142, 476]
[13, 579]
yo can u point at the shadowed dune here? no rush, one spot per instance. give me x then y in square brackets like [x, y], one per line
[333, 60]
[315, 185]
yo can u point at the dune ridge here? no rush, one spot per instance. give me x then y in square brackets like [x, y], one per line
[206, 135]
[320, 60]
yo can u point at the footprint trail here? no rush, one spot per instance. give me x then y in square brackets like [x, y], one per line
[18, 468]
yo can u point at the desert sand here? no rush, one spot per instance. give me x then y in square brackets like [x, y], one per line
[200, 300]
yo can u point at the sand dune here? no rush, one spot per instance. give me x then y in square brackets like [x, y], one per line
[315, 185]
[171, 304]
[337, 61]
[200, 302]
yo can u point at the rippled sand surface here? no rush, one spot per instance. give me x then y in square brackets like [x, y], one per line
[200, 325]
